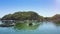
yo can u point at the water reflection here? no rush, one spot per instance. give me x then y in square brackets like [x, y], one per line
[23, 25]
[36, 28]
[26, 26]
[57, 24]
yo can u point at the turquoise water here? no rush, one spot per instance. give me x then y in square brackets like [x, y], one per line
[44, 28]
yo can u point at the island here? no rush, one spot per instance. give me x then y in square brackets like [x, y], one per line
[26, 17]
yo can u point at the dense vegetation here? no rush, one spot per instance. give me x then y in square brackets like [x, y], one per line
[30, 15]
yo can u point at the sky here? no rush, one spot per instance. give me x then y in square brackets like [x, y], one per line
[46, 8]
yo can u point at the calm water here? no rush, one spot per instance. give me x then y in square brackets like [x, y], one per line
[41, 28]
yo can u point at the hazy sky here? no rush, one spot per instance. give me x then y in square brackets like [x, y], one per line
[45, 8]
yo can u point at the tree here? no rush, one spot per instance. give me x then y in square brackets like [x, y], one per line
[30, 15]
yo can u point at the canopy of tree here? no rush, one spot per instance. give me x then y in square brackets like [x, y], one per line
[30, 15]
